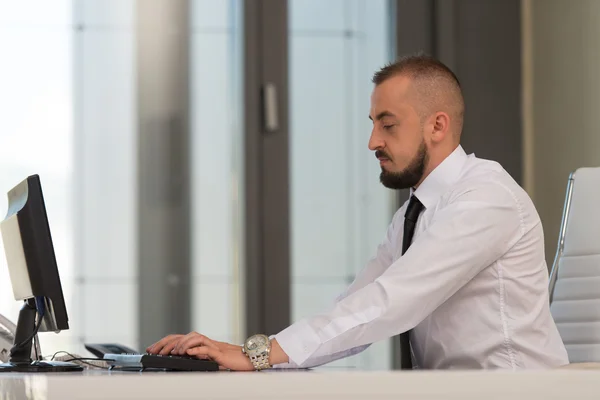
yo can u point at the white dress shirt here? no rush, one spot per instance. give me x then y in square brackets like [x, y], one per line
[473, 286]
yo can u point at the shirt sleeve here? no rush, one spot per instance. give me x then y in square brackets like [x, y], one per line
[472, 231]
[374, 268]
[324, 359]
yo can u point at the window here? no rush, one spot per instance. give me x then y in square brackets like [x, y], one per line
[36, 125]
[339, 210]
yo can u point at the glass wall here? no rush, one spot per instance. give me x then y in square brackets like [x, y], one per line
[339, 210]
[105, 174]
[68, 112]
[217, 148]
[36, 128]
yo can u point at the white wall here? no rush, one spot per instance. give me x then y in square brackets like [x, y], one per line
[562, 93]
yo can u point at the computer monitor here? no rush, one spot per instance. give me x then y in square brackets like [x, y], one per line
[34, 276]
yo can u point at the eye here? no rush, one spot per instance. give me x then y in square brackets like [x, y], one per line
[388, 127]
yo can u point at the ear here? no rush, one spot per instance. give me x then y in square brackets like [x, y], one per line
[440, 126]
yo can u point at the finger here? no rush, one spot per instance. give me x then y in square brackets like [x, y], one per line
[168, 348]
[158, 346]
[183, 340]
[149, 348]
[197, 341]
[194, 340]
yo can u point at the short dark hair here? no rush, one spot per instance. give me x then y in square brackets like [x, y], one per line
[414, 65]
[435, 83]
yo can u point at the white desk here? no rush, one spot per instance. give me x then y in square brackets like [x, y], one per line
[429, 385]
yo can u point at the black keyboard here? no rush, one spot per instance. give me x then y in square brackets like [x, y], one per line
[166, 363]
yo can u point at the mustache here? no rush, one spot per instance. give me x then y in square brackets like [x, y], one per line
[382, 154]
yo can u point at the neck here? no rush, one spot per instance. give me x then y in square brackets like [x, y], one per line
[435, 158]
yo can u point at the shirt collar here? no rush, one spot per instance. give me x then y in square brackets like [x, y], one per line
[442, 177]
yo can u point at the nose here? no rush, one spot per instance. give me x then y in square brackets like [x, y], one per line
[375, 142]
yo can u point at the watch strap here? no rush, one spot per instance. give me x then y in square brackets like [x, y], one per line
[260, 361]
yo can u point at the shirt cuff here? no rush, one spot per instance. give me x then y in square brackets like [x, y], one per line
[282, 365]
[299, 341]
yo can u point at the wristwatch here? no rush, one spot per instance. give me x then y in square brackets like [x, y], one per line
[257, 348]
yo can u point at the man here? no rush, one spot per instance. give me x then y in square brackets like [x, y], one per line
[461, 272]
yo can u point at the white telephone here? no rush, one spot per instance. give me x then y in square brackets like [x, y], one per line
[7, 337]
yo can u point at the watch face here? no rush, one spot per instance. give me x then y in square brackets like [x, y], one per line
[256, 342]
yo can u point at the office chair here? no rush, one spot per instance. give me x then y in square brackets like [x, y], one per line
[574, 283]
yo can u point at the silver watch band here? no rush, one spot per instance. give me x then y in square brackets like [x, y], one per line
[260, 361]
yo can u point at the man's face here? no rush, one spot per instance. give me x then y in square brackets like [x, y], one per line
[397, 137]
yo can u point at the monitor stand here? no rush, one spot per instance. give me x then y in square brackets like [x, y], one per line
[20, 357]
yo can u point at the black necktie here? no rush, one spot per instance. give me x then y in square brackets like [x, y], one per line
[410, 221]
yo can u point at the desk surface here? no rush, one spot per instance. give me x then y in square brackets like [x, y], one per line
[429, 385]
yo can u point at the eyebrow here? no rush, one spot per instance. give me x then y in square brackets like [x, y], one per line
[382, 115]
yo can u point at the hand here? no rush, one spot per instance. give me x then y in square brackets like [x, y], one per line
[228, 356]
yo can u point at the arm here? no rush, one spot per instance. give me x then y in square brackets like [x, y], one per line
[230, 356]
[471, 232]
[280, 359]
[374, 268]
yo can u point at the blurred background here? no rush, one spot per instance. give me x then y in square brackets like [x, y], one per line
[205, 163]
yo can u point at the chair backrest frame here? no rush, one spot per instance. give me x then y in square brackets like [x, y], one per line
[561, 235]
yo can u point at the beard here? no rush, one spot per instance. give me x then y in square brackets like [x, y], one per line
[411, 175]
